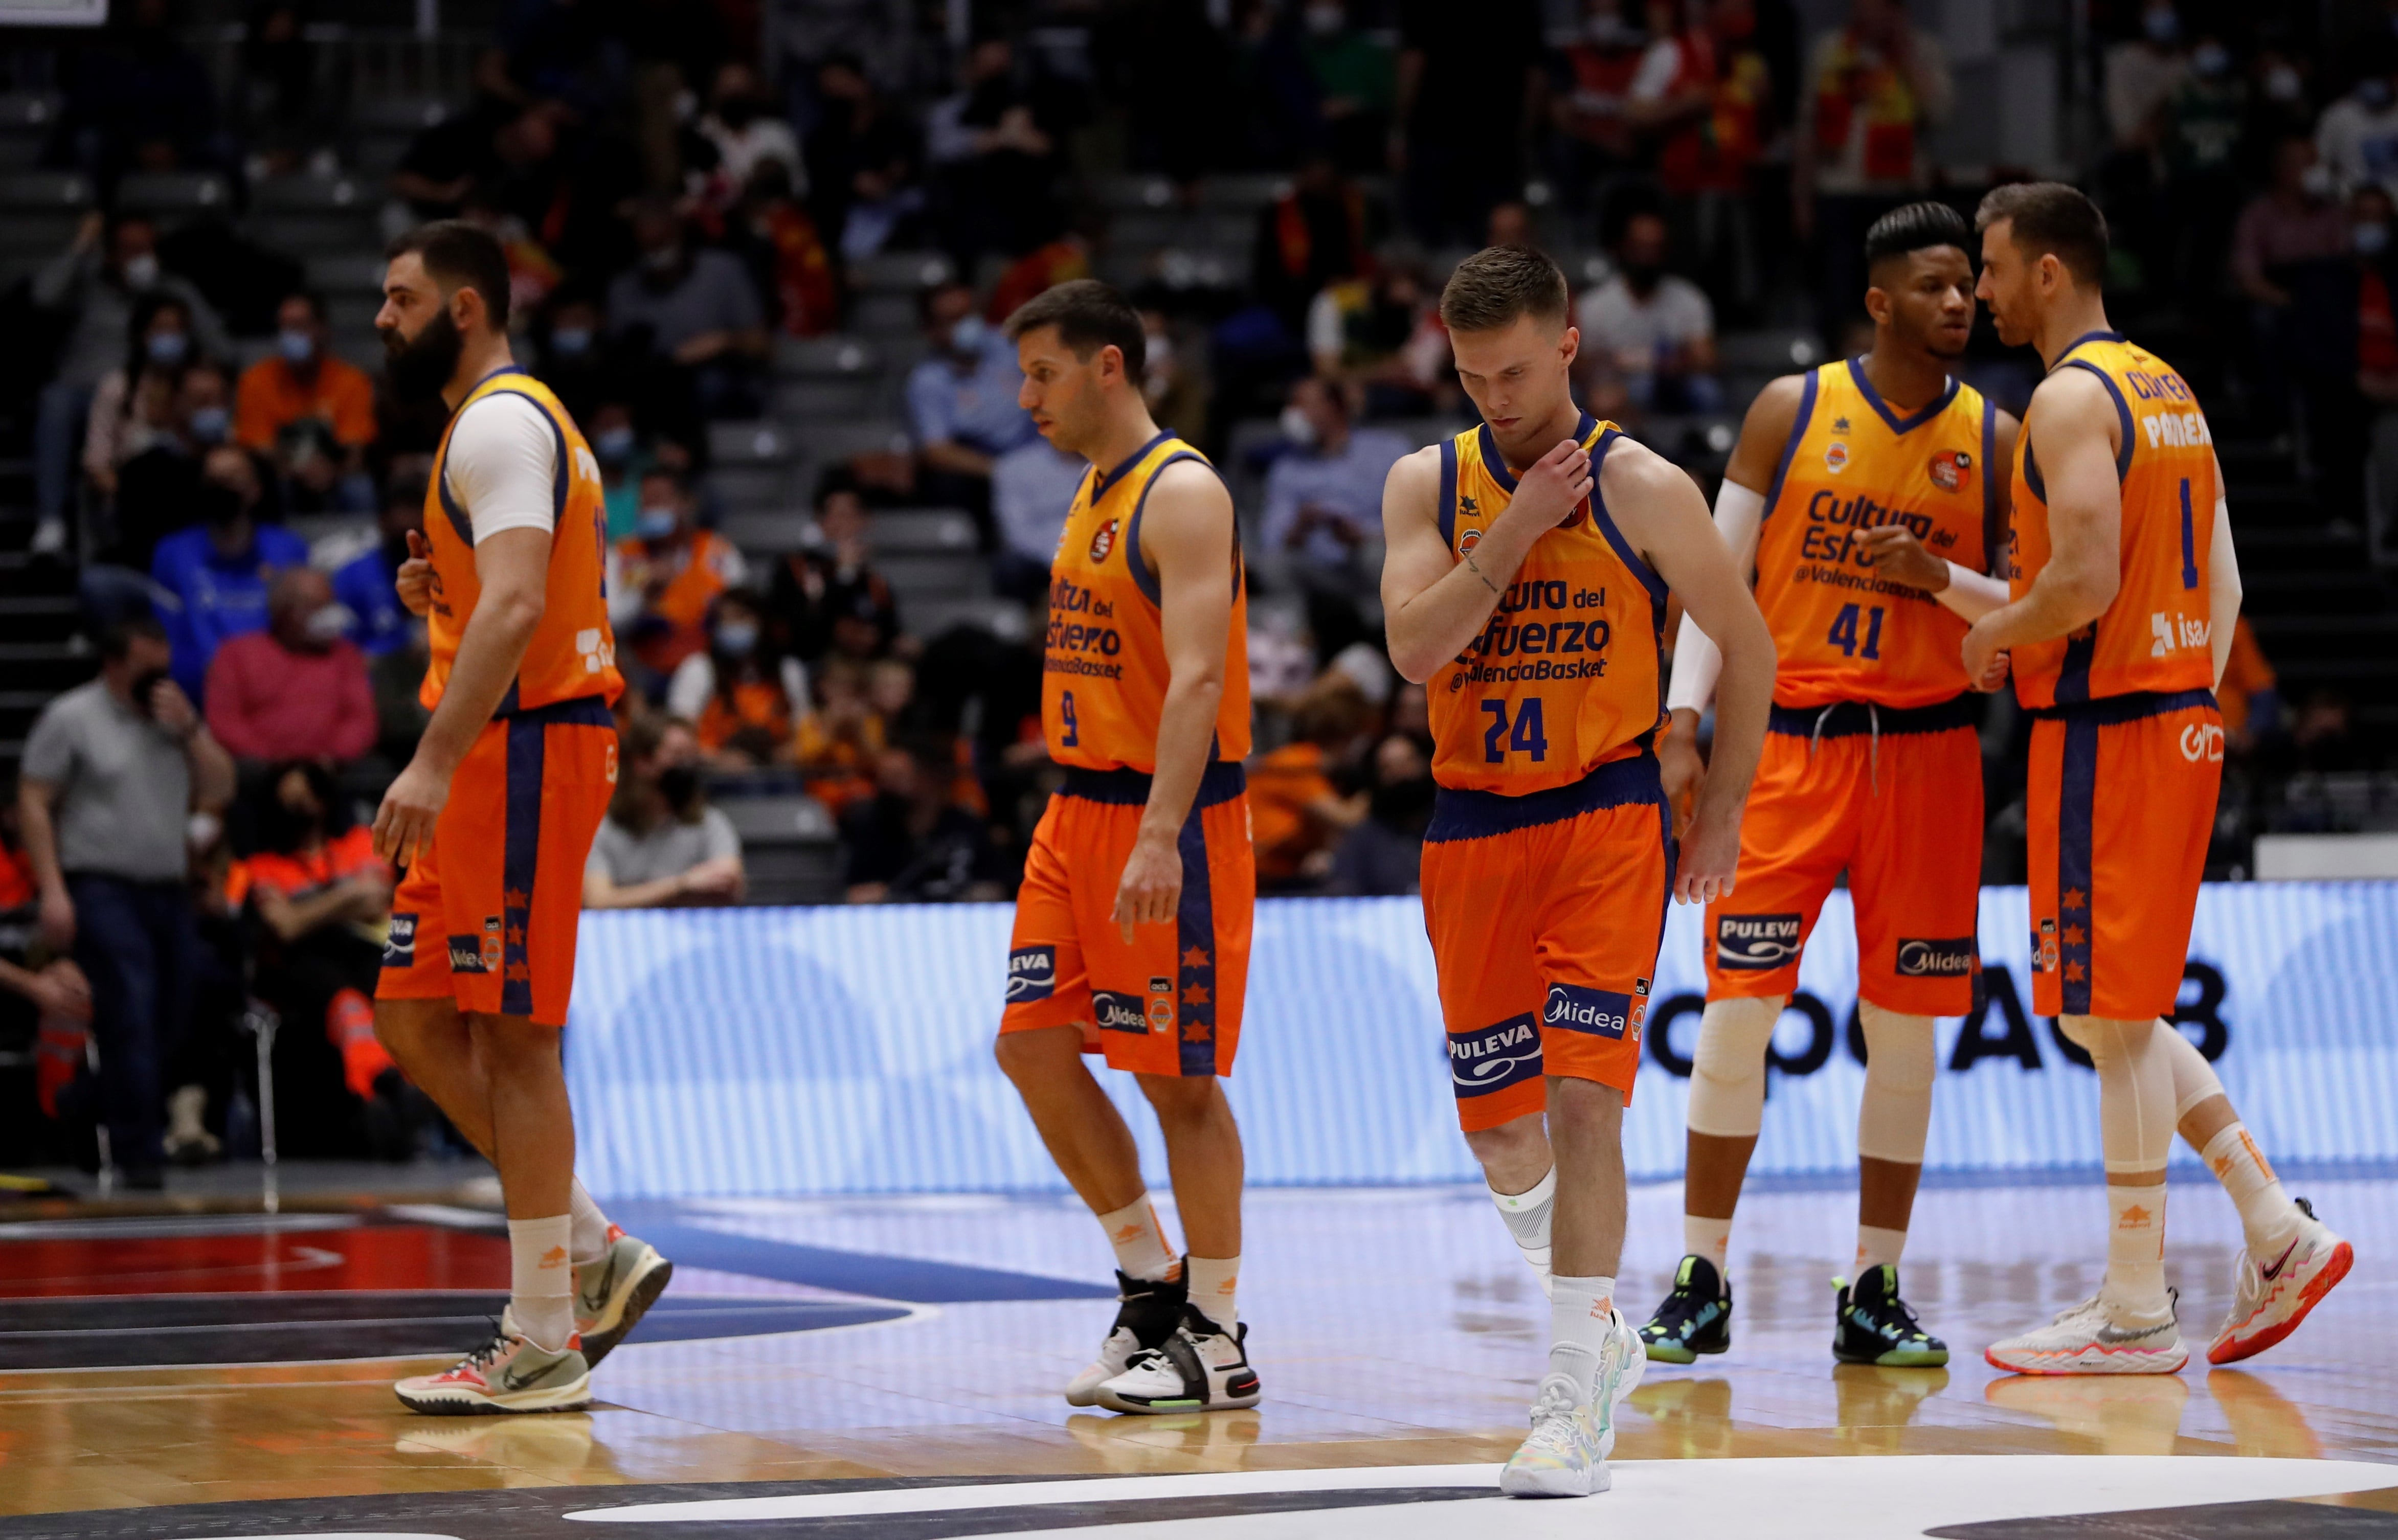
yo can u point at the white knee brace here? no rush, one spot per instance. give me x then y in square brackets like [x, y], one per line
[1901, 1060]
[2135, 1088]
[1727, 1071]
[2193, 1077]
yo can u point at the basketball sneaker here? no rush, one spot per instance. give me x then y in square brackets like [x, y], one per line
[2088, 1340]
[1695, 1319]
[2272, 1297]
[615, 1290]
[1148, 1309]
[1871, 1324]
[1565, 1456]
[1200, 1368]
[507, 1373]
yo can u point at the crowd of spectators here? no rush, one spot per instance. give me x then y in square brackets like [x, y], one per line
[677, 207]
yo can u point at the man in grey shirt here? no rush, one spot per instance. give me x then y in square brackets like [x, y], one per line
[700, 309]
[112, 774]
[660, 844]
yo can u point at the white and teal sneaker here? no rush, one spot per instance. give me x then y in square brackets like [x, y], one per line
[1565, 1456]
[615, 1290]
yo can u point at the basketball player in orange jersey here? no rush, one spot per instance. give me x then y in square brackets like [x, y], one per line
[1132, 927]
[1873, 765]
[495, 815]
[1528, 567]
[2123, 592]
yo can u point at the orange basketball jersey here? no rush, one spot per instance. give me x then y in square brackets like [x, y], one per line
[1843, 632]
[2153, 637]
[1565, 676]
[1103, 669]
[574, 651]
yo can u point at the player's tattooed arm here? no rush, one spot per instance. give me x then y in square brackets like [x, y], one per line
[1188, 538]
[1660, 510]
[2073, 427]
[1433, 603]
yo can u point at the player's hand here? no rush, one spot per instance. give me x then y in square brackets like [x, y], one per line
[1151, 890]
[1892, 550]
[415, 581]
[61, 990]
[1680, 768]
[1554, 486]
[1710, 857]
[403, 824]
[172, 709]
[1986, 662]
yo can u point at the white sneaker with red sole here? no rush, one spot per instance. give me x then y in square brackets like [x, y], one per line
[2274, 1295]
[507, 1373]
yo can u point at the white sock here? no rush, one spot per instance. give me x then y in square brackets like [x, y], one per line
[541, 1284]
[1213, 1282]
[1527, 1216]
[1876, 1246]
[590, 1226]
[1710, 1239]
[2266, 1212]
[1139, 1240]
[2135, 1250]
[1581, 1317]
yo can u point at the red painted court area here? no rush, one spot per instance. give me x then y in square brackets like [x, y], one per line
[361, 1256]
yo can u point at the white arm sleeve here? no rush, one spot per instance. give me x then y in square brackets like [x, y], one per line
[1971, 593]
[1698, 662]
[503, 466]
[2222, 589]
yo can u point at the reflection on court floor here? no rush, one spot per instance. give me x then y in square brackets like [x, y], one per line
[867, 1342]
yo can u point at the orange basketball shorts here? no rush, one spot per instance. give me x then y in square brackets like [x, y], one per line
[1545, 911]
[487, 916]
[1900, 811]
[1168, 1002]
[2121, 806]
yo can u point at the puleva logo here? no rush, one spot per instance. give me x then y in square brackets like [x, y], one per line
[1756, 942]
[1103, 541]
[1032, 973]
[1602, 1013]
[1493, 1058]
[1115, 1013]
[399, 947]
[1936, 960]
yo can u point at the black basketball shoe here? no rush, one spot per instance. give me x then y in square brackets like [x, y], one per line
[1148, 1311]
[1695, 1319]
[1871, 1324]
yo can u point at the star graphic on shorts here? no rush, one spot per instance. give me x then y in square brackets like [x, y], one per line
[518, 898]
[519, 972]
[1195, 994]
[2073, 898]
[516, 936]
[1195, 1032]
[2075, 935]
[1194, 958]
[2074, 972]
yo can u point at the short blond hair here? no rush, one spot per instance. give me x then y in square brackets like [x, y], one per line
[1499, 283]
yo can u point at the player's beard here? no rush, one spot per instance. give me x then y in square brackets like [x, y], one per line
[421, 366]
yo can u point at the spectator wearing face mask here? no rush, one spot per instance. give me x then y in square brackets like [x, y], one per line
[669, 572]
[302, 382]
[178, 415]
[910, 842]
[1649, 337]
[91, 290]
[366, 584]
[1324, 506]
[697, 311]
[133, 407]
[661, 845]
[215, 573]
[743, 697]
[2358, 134]
[961, 402]
[742, 129]
[297, 690]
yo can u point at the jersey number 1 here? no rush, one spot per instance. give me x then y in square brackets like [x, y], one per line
[1527, 735]
[1843, 633]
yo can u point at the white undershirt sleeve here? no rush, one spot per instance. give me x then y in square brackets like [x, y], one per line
[1971, 593]
[2222, 589]
[503, 466]
[1698, 662]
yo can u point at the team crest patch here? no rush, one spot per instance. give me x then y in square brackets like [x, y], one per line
[1161, 1004]
[1952, 470]
[1468, 541]
[1835, 457]
[491, 935]
[1103, 541]
[1578, 518]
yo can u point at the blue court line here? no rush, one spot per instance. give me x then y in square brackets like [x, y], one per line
[914, 1280]
[705, 1319]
